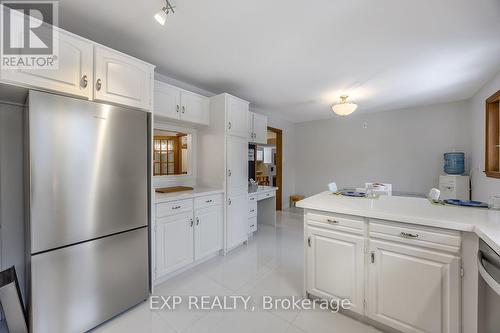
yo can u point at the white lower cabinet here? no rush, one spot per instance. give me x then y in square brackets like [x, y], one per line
[408, 280]
[335, 265]
[412, 289]
[186, 231]
[207, 231]
[237, 220]
[174, 243]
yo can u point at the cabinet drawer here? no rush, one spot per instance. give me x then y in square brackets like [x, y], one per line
[337, 221]
[252, 224]
[207, 201]
[419, 235]
[173, 207]
[266, 195]
[252, 208]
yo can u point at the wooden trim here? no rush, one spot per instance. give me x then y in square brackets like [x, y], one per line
[492, 141]
[279, 166]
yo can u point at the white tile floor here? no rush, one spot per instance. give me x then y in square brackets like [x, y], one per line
[271, 264]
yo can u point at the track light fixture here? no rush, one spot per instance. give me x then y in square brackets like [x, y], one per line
[161, 15]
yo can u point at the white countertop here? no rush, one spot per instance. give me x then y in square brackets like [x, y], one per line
[196, 192]
[484, 222]
[261, 189]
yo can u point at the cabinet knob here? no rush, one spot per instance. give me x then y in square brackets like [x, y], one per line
[98, 85]
[84, 83]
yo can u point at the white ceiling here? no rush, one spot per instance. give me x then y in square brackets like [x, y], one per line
[296, 57]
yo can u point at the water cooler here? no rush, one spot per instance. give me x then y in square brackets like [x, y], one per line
[454, 187]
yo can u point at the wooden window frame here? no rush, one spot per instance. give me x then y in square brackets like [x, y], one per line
[492, 136]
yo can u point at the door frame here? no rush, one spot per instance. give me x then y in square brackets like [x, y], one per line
[279, 166]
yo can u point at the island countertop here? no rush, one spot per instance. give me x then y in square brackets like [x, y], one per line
[484, 222]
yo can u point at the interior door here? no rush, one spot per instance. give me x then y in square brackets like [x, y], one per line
[174, 243]
[167, 101]
[414, 290]
[122, 79]
[260, 128]
[73, 76]
[194, 108]
[237, 220]
[335, 265]
[237, 165]
[207, 231]
[237, 117]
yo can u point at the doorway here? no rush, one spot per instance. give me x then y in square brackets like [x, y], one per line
[275, 137]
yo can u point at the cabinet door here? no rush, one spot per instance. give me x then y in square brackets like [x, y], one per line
[413, 289]
[208, 231]
[260, 128]
[250, 127]
[174, 243]
[122, 79]
[237, 165]
[237, 117]
[194, 108]
[237, 220]
[335, 266]
[167, 101]
[73, 75]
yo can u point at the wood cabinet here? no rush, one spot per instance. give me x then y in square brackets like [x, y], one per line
[74, 75]
[207, 231]
[121, 79]
[179, 104]
[413, 289]
[174, 243]
[335, 265]
[257, 128]
[237, 117]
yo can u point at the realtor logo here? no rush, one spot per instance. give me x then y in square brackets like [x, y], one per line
[29, 39]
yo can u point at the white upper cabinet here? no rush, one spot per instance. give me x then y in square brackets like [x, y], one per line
[167, 101]
[257, 128]
[335, 265]
[179, 104]
[122, 79]
[237, 117]
[74, 75]
[194, 108]
[413, 289]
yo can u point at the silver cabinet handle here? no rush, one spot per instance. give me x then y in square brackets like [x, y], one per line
[197, 221]
[176, 207]
[229, 202]
[84, 83]
[98, 84]
[191, 222]
[332, 221]
[177, 108]
[253, 210]
[408, 235]
[253, 225]
[229, 125]
[208, 201]
[309, 241]
[183, 109]
[229, 172]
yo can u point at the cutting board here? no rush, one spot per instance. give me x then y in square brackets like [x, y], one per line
[173, 189]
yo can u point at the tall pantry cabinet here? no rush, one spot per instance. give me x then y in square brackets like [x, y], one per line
[223, 162]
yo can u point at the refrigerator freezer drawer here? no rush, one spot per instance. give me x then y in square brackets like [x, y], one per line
[78, 287]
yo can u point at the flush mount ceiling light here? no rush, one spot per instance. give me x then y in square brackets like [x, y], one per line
[161, 15]
[344, 108]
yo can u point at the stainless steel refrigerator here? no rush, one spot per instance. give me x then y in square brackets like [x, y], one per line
[87, 206]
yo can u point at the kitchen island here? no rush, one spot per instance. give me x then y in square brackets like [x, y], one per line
[405, 263]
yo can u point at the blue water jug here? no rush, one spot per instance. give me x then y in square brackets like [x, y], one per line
[454, 163]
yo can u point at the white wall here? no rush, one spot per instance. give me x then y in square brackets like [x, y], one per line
[403, 147]
[288, 179]
[482, 187]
